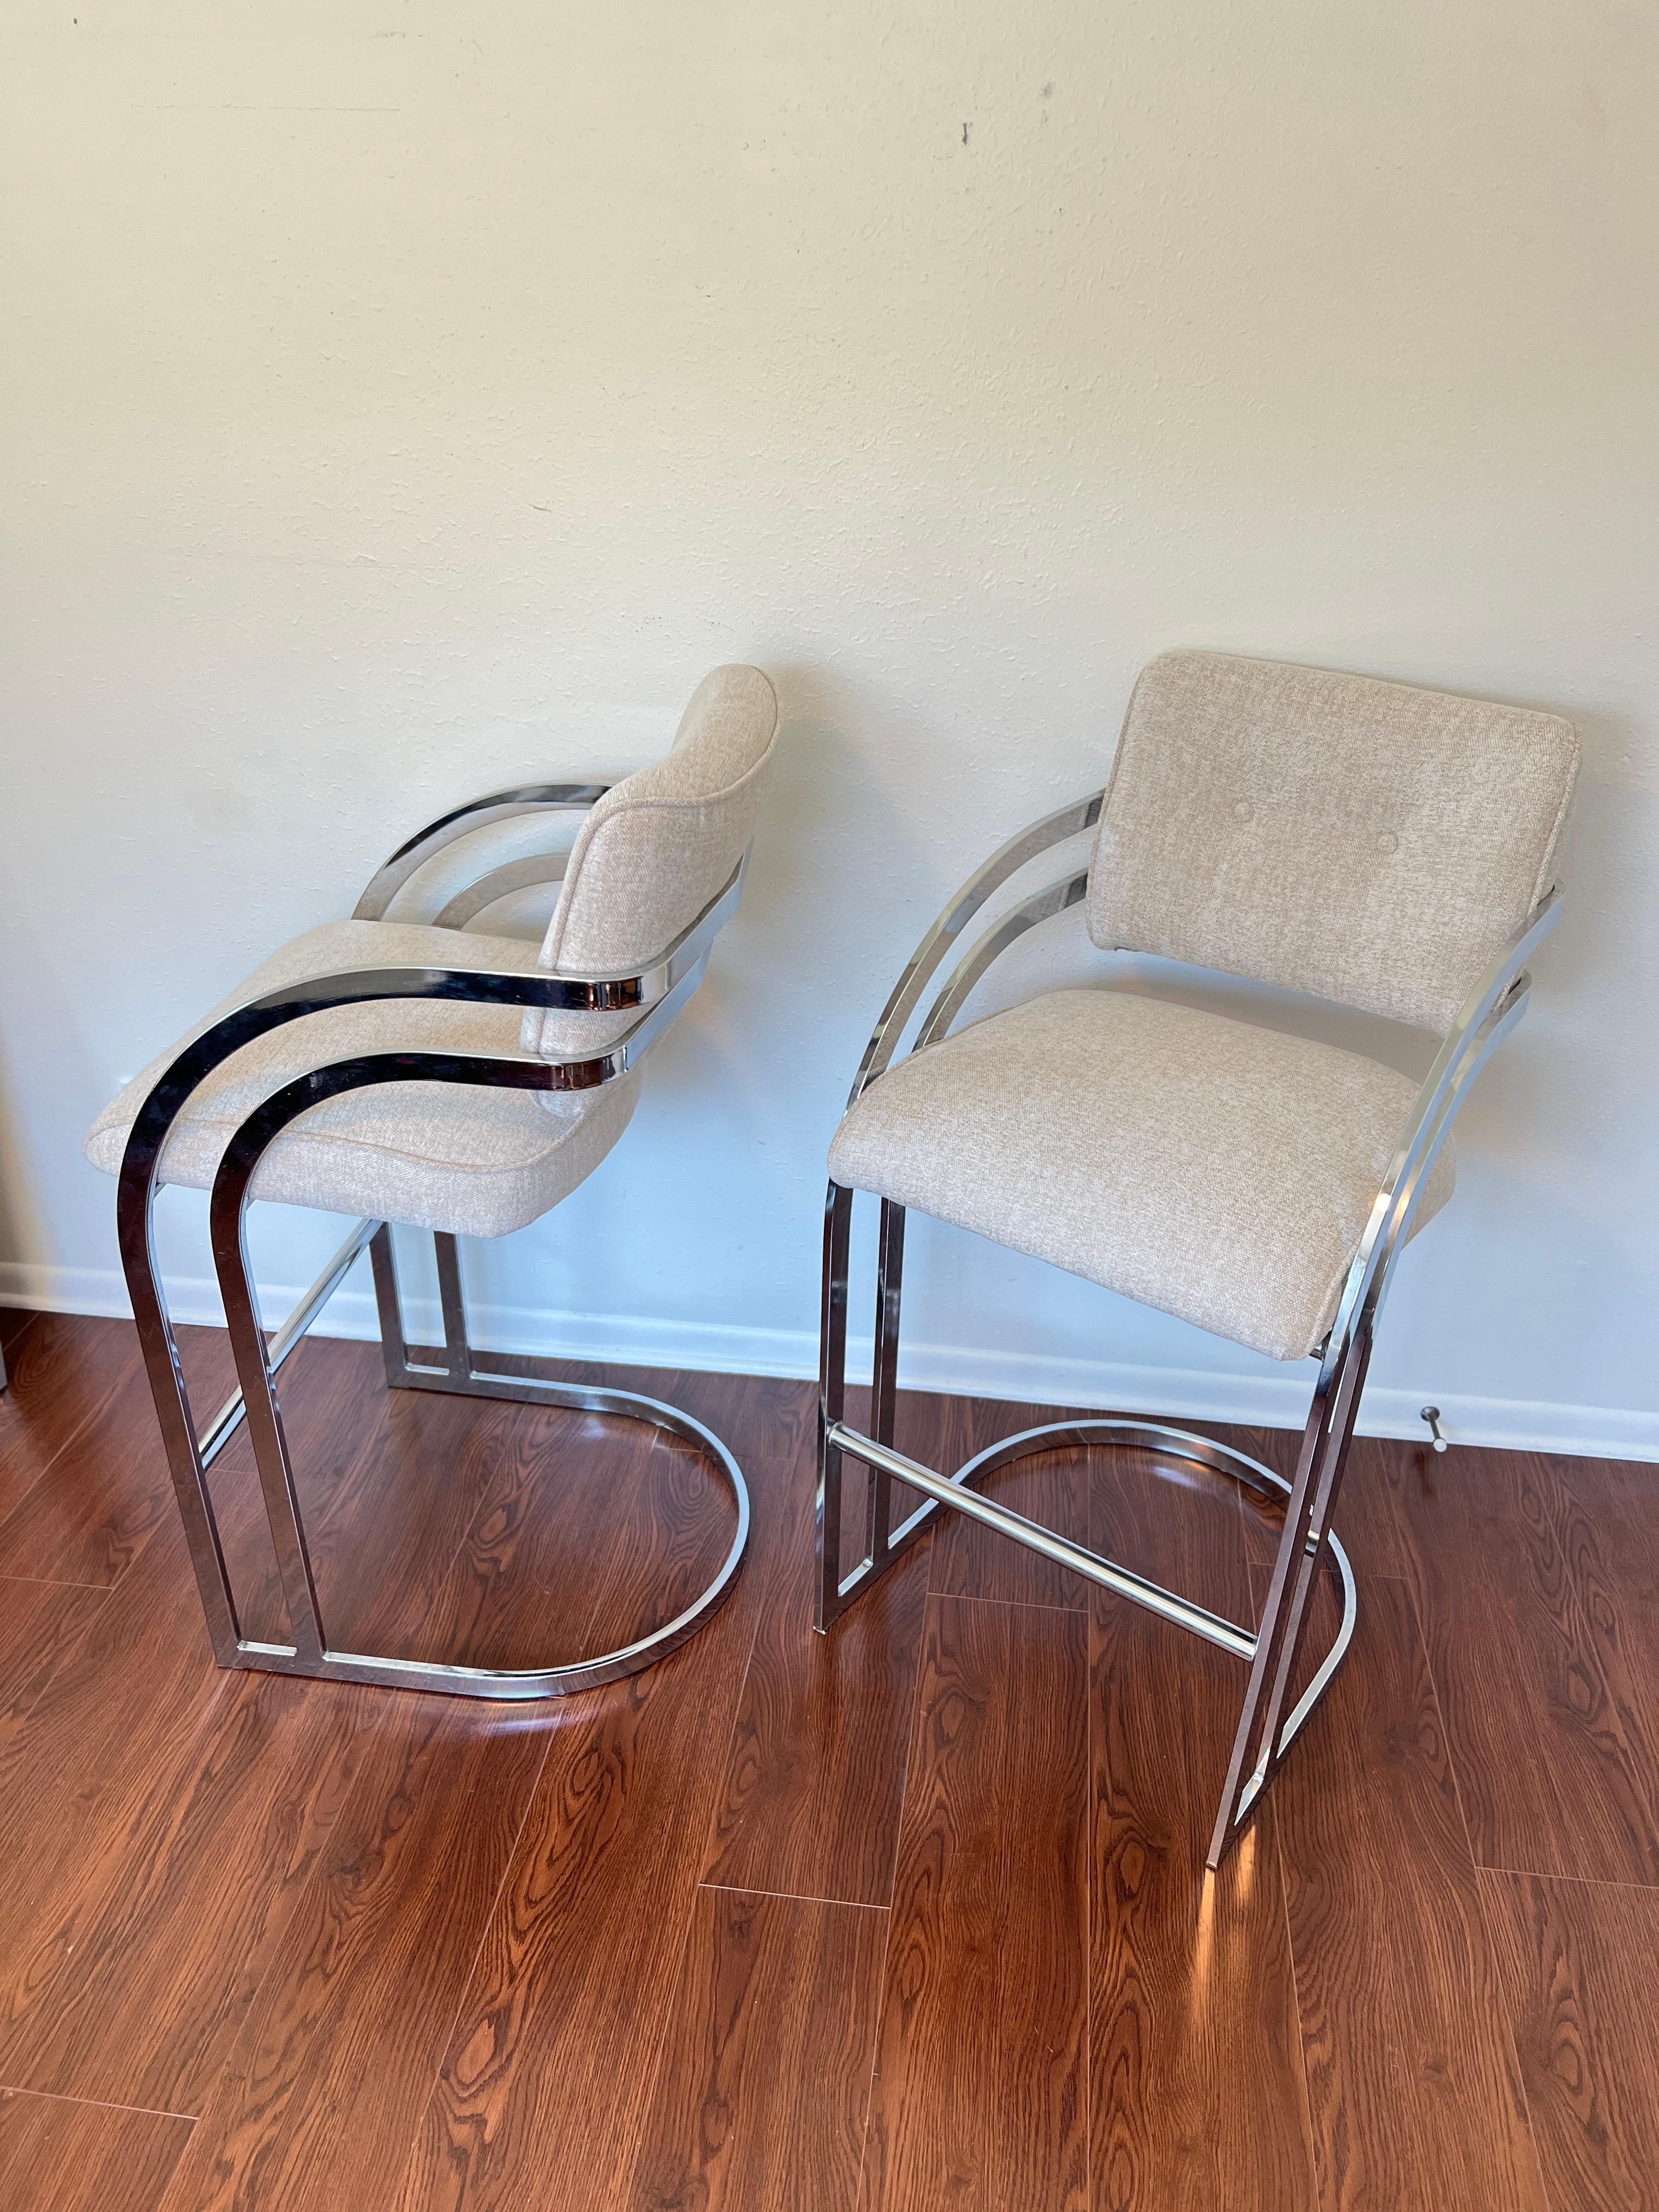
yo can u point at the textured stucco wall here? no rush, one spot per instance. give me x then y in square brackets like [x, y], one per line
[402, 399]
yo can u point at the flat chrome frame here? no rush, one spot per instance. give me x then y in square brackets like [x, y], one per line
[1272, 1648]
[656, 994]
[411, 856]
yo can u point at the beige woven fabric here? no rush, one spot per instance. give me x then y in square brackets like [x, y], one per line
[1370, 842]
[656, 849]
[1218, 1171]
[475, 1161]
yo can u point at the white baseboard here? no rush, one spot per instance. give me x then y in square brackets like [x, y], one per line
[1270, 1401]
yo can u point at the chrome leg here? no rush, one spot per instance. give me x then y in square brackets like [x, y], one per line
[1260, 1742]
[265, 1431]
[884, 1400]
[133, 1206]
[1271, 1649]
[1183, 1449]
[228, 1419]
[389, 1306]
[309, 1652]
[832, 1394]
[883, 1545]
[458, 1356]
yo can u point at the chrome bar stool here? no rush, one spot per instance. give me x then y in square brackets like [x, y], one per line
[1386, 848]
[455, 1082]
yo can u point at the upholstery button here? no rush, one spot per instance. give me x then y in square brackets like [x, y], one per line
[1388, 843]
[1242, 810]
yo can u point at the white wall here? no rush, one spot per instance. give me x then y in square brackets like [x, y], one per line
[404, 398]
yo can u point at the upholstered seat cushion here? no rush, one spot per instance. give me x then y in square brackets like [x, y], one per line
[1219, 1171]
[475, 1161]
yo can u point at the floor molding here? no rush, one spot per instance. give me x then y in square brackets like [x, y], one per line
[1271, 1402]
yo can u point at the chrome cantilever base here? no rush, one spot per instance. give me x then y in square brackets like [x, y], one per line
[457, 1370]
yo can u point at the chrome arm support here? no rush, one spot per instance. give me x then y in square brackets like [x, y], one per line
[1489, 1012]
[527, 798]
[657, 992]
[1006, 860]
[512, 875]
[1054, 898]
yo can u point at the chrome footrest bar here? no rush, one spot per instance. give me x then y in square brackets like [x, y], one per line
[1196, 1451]
[1180, 1445]
[951, 1491]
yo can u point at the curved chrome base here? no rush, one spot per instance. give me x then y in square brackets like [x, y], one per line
[514, 1683]
[456, 1370]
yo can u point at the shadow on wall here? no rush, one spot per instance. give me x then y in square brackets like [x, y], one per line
[45, 1012]
[842, 922]
[22, 1232]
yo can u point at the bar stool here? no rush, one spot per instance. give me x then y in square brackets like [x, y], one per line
[1387, 848]
[453, 1081]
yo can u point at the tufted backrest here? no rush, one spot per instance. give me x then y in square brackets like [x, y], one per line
[1367, 842]
[656, 848]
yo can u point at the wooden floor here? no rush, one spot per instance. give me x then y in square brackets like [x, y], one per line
[909, 1918]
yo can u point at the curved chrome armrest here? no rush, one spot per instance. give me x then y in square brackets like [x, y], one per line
[1054, 898]
[389, 878]
[520, 1071]
[1489, 1013]
[1006, 860]
[517, 1070]
[658, 992]
[512, 875]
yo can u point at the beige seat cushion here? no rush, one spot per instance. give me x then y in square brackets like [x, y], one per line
[1218, 1171]
[474, 1161]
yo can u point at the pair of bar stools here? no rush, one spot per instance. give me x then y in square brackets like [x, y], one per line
[1387, 848]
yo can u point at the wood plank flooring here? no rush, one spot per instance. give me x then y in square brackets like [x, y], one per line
[910, 1917]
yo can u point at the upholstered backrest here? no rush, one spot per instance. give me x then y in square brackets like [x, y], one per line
[656, 848]
[1362, 840]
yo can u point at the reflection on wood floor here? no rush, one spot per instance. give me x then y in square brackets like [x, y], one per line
[913, 1916]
